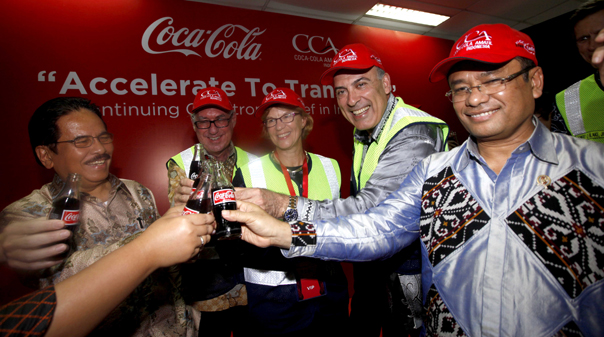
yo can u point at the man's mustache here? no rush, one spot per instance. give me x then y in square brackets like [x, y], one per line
[99, 157]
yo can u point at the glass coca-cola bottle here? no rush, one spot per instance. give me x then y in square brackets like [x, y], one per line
[195, 168]
[223, 197]
[200, 200]
[66, 207]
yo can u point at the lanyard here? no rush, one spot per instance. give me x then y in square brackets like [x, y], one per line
[288, 179]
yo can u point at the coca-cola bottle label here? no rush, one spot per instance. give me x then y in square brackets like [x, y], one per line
[71, 217]
[188, 210]
[198, 194]
[223, 196]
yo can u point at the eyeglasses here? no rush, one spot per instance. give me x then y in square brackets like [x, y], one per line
[287, 118]
[487, 88]
[86, 141]
[219, 123]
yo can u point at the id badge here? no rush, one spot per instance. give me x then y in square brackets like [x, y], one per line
[309, 288]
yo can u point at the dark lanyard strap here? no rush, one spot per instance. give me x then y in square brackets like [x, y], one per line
[288, 179]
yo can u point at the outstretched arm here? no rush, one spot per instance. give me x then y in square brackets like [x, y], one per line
[84, 299]
[403, 152]
[378, 233]
[261, 229]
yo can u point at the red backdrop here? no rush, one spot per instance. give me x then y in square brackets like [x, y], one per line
[143, 61]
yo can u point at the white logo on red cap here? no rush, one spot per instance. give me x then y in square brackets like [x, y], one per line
[211, 94]
[377, 59]
[529, 47]
[475, 40]
[345, 55]
[276, 94]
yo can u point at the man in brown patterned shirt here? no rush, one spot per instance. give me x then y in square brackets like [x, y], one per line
[214, 287]
[67, 134]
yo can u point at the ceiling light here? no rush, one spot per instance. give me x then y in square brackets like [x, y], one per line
[408, 15]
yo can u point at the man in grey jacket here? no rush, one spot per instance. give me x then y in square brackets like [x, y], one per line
[390, 138]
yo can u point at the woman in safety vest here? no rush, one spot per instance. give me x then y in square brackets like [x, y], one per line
[292, 297]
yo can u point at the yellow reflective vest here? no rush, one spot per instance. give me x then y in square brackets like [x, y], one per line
[323, 183]
[582, 107]
[403, 115]
[324, 179]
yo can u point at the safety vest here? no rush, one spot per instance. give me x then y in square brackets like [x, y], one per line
[582, 107]
[402, 116]
[184, 159]
[323, 183]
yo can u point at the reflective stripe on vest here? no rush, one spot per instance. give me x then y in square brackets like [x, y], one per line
[254, 176]
[581, 106]
[402, 116]
[257, 174]
[572, 105]
[271, 278]
[187, 158]
[332, 178]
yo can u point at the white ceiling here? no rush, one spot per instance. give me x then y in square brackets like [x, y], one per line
[464, 14]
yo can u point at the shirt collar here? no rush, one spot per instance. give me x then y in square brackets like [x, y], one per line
[231, 154]
[364, 137]
[57, 185]
[540, 143]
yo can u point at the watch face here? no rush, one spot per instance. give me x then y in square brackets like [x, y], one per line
[291, 214]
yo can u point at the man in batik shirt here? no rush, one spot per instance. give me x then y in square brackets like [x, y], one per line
[68, 135]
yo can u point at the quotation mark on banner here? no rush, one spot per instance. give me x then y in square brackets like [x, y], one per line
[51, 76]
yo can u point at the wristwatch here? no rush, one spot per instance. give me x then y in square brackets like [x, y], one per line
[291, 213]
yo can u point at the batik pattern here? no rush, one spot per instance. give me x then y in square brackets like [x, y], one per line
[450, 215]
[439, 320]
[563, 225]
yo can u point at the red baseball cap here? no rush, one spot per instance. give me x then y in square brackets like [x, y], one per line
[352, 56]
[211, 97]
[496, 43]
[281, 96]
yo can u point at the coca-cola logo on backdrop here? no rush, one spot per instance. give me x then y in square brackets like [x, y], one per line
[227, 40]
[70, 217]
[223, 196]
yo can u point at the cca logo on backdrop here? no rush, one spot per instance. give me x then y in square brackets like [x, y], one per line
[313, 43]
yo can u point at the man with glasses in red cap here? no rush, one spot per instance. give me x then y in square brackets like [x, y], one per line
[213, 120]
[214, 286]
[511, 221]
[390, 138]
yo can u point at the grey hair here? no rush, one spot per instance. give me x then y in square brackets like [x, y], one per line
[380, 73]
